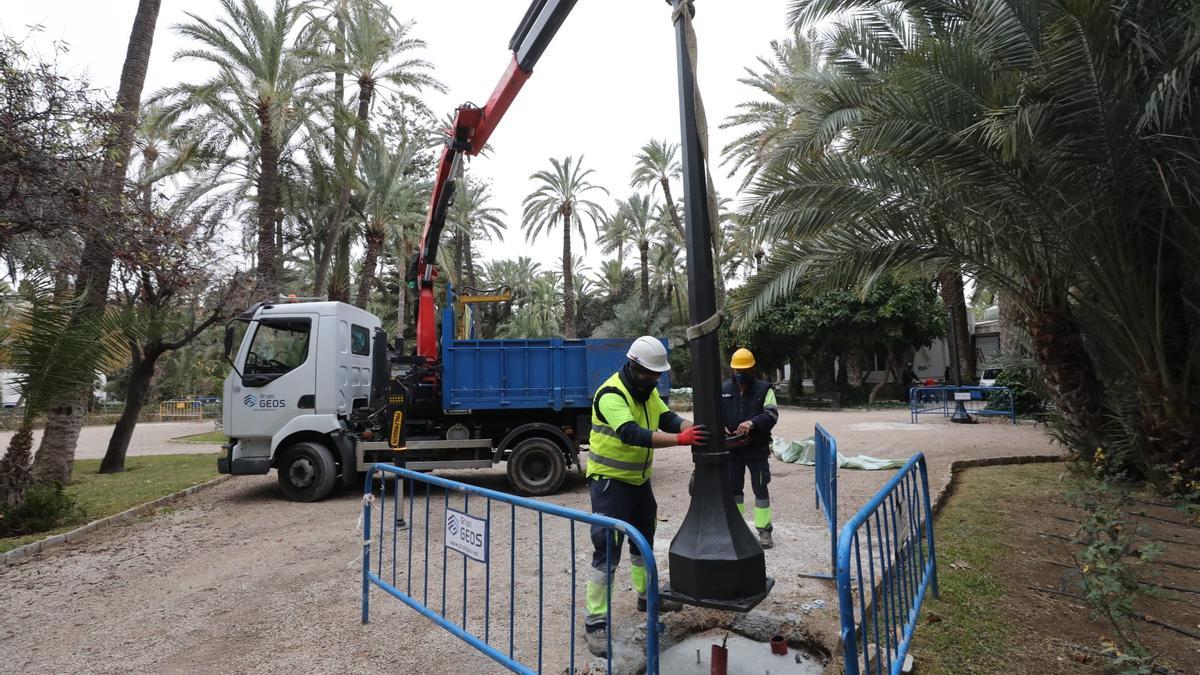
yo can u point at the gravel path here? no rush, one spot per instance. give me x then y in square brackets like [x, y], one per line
[235, 579]
[149, 438]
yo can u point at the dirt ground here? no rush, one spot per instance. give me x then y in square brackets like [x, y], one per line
[1039, 621]
[236, 579]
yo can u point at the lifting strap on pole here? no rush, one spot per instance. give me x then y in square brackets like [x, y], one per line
[685, 10]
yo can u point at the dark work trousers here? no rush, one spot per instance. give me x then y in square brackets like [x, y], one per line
[634, 504]
[760, 476]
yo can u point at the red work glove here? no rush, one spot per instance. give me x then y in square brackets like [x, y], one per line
[696, 434]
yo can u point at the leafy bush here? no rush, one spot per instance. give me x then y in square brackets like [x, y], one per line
[45, 508]
[1025, 393]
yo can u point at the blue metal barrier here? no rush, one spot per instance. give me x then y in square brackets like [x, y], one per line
[825, 476]
[889, 545]
[991, 401]
[474, 530]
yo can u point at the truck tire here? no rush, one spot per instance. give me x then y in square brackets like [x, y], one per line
[307, 472]
[537, 467]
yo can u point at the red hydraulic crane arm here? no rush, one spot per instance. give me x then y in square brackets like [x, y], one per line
[471, 129]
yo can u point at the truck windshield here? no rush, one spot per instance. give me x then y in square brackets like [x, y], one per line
[280, 345]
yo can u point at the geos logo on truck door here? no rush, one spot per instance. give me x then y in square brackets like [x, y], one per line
[264, 402]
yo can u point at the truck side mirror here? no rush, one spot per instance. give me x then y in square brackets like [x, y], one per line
[228, 339]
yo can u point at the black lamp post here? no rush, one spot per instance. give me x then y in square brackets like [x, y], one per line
[714, 559]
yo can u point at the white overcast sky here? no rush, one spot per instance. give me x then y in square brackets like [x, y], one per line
[605, 86]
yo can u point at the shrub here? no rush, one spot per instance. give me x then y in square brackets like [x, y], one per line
[45, 508]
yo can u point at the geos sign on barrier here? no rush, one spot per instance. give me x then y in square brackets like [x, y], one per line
[467, 535]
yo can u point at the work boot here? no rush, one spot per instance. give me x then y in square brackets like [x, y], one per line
[664, 605]
[597, 641]
[764, 538]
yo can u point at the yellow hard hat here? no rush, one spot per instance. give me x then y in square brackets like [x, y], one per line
[742, 358]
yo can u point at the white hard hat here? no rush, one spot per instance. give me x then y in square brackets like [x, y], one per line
[649, 353]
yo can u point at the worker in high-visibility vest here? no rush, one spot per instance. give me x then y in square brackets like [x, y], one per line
[629, 420]
[750, 412]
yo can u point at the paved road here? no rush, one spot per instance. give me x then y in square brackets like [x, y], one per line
[151, 438]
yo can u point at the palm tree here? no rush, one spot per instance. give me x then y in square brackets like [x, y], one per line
[370, 41]
[786, 83]
[656, 164]
[614, 236]
[516, 275]
[54, 458]
[1047, 161]
[610, 279]
[473, 218]
[642, 228]
[561, 193]
[393, 202]
[257, 95]
[54, 352]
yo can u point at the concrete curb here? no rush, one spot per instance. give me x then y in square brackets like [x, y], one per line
[22, 553]
[939, 500]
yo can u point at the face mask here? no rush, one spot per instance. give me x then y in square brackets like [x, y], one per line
[743, 378]
[639, 388]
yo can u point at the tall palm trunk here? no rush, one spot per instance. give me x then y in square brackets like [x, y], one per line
[666, 188]
[954, 299]
[267, 284]
[366, 89]
[141, 373]
[568, 282]
[1069, 373]
[459, 255]
[57, 452]
[644, 254]
[366, 275]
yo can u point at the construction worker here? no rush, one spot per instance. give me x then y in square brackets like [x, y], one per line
[750, 412]
[629, 420]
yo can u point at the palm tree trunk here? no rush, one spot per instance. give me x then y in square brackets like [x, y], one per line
[95, 265]
[339, 281]
[568, 283]
[644, 254]
[402, 287]
[267, 285]
[471, 280]
[56, 453]
[953, 297]
[14, 468]
[666, 188]
[140, 374]
[458, 257]
[366, 275]
[1070, 375]
[366, 88]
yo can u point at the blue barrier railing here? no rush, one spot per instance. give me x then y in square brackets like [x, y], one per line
[825, 476]
[988, 401]
[407, 550]
[889, 546]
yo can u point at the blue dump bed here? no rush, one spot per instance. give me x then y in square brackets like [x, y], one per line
[520, 374]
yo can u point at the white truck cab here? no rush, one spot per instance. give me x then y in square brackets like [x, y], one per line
[300, 370]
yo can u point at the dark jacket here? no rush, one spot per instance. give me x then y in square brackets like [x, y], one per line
[756, 404]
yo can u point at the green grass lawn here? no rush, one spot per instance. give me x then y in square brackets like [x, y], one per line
[144, 479]
[208, 438]
[972, 633]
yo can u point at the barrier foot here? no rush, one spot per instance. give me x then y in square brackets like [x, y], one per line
[734, 605]
[816, 575]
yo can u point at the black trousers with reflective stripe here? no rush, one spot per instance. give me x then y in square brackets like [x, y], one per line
[760, 475]
[634, 504]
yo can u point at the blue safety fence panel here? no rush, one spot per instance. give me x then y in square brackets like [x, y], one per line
[987, 401]
[825, 476]
[477, 562]
[888, 548]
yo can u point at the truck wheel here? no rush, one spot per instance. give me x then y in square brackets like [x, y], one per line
[307, 472]
[537, 467]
